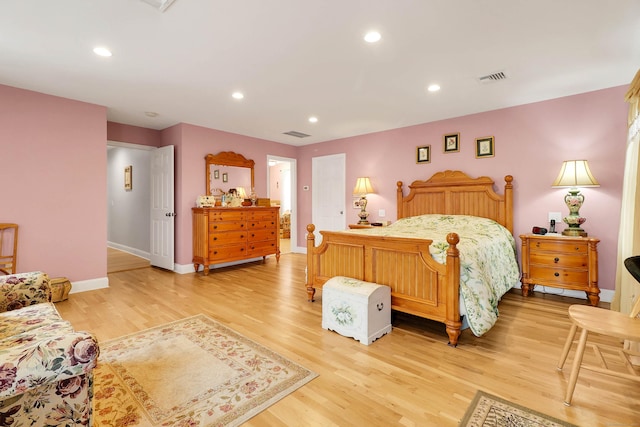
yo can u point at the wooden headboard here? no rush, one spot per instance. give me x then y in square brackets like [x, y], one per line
[455, 193]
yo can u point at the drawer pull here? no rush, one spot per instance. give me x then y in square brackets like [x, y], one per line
[577, 248]
[215, 252]
[215, 238]
[215, 227]
[556, 274]
[537, 244]
[556, 259]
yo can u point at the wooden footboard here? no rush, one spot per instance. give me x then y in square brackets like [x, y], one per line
[419, 285]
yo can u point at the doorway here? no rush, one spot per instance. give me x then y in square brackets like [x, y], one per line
[281, 175]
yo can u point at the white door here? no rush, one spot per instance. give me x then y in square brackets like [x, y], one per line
[328, 199]
[162, 208]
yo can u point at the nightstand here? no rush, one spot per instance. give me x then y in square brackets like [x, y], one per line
[560, 262]
[356, 226]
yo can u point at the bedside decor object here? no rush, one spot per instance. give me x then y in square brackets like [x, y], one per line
[423, 154]
[485, 147]
[452, 143]
[574, 174]
[362, 188]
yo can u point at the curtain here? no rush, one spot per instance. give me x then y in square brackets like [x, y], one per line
[627, 288]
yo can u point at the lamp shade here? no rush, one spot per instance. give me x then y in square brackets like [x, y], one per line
[242, 193]
[575, 173]
[363, 186]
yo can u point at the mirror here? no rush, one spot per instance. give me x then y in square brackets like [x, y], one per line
[227, 170]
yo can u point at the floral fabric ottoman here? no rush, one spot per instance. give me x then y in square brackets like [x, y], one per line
[356, 309]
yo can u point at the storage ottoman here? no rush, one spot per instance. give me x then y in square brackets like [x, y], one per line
[356, 309]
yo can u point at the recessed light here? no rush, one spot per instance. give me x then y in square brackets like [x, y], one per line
[372, 37]
[433, 88]
[313, 119]
[238, 95]
[102, 51]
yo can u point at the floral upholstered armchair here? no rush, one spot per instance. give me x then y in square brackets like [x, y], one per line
[45, 366]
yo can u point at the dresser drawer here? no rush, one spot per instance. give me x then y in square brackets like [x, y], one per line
[258, 225]
[558, 275]
[222, 253]
[258, 235]
[216, 239]
[261, 248]
[222, 215]
[215, 227]
[262, 215]
[558, 245]
[559, 260]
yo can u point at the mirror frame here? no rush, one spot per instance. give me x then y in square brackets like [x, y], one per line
[226, 158]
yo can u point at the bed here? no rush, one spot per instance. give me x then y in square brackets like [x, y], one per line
[420, 284]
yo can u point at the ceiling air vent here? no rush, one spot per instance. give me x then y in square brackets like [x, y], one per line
[296, 134]
[493, 77]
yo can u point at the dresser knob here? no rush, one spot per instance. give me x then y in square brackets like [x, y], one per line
[537, 244]
[215, 238]
[556, 274]
[577, 248]
[215, 227]
[556, 259]
[215, 252]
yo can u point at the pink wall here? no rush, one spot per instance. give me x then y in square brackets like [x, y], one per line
[531, 141]
[133, 134]
[53, 173]
[193, 143]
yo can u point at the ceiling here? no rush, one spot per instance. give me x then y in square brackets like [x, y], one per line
[298, 58]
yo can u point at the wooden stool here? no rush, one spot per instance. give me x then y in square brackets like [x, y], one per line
[8, 248]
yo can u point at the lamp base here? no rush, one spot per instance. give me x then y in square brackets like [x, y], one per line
[576, 232]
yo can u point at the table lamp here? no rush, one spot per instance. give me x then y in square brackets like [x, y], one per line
[574, 174]
[362, 188]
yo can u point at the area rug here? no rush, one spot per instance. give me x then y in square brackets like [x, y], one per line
[192, 372]
[491, 411]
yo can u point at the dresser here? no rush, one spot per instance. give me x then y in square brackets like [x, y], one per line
[560, 262]
[232, 234]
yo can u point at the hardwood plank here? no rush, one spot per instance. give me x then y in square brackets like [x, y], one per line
[409, 377]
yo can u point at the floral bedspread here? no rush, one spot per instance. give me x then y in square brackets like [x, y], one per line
[488, 260]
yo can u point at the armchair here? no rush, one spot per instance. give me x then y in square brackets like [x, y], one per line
[45, 366]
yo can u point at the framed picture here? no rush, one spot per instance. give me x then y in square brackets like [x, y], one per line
[485, 147]
[225, 177]
[128, 182]
[451, 143]
[216, 174]
[423, 154]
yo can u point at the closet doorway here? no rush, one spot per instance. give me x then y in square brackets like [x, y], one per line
[281, 175]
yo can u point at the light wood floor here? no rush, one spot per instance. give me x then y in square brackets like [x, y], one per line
[409, 377]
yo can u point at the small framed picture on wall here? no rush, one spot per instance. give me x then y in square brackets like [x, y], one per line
[423, 154]
[485, 147]
[225, 177]
[216, 174]
[451, 143]
[128, 179]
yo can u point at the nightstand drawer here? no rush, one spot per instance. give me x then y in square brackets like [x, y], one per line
[558, 245]
[559, 275]
[560, 260]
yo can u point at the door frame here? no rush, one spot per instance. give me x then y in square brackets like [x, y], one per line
[294, 196]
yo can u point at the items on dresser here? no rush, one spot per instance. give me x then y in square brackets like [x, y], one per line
[224, 234]
[561, 262]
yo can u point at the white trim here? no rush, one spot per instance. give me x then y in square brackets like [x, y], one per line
[606, 295]
[132, 251]
[130, 145]
[89, 285]
[188, 268]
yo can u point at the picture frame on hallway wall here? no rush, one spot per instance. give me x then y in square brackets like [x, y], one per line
[216, 174]
[225, 177]
[485, 147]
[451, 142]
[128, 179]
[423, 154]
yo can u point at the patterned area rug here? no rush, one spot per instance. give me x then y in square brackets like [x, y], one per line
[193, 372]
[491, 411]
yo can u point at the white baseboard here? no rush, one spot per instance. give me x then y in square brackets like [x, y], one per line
[133, 251]
[606, 295]
[89, 285]
[188, 268]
